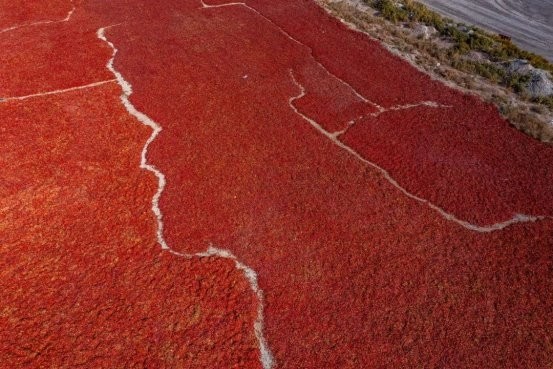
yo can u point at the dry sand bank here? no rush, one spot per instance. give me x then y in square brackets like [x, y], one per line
[529, 23]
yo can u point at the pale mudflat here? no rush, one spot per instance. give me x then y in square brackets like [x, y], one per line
[529, 23]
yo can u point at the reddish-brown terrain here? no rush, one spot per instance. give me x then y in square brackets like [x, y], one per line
[391, 221]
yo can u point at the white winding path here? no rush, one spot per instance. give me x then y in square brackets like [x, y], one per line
[37, 23]
[55, 92]
[333, 136]
[518, 218]
[265, 354]
[266, 357]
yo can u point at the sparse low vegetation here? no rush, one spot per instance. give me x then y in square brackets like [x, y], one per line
[547, 101]
[468, 56]
[465, 38]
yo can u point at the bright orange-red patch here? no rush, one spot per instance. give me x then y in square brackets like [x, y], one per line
[355, 274]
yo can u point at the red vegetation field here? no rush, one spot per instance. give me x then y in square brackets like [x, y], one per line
[17, 13]
[251, 99]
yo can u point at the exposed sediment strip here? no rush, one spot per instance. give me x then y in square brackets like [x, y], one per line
[517, 218]
[265, 354]
[38, 23]
[351, 123]
[328, 235]
[60, 91]
[310, 50]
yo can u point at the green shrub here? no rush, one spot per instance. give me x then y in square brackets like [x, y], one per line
[391, 11]
[486, 70]
[420, 13]
[516, 81]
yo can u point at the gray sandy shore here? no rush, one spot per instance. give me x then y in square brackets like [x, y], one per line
[528, 22]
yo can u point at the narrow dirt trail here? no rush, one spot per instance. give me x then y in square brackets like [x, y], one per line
[388, 220]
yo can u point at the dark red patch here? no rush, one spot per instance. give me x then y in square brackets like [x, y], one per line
[467, 161]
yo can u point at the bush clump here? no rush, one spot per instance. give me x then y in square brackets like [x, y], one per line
[391, 10]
